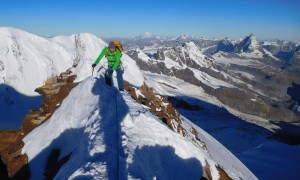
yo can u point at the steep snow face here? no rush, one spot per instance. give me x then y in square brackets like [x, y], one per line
[27, 60]
[112, 136]
[253, 43]
[83, 45]
[186, 55]
[195, 53]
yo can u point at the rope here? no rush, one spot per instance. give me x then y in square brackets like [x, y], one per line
[118, 160]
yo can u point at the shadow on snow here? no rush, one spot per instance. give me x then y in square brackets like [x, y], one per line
[14, 106]
[161, 162]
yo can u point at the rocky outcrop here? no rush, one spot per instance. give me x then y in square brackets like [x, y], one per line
[53, 92]
[160, 54]
[207, 175]
[7, 137]
[206, 172]
[161, 107]
[223, 175]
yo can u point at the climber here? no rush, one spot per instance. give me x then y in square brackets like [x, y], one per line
[113, 54]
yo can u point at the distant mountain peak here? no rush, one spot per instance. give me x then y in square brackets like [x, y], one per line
[225, 45]
[248, 44]
[147, 35]
[184, 37]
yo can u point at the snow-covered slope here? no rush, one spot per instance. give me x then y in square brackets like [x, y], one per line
[109, 139]
[27, 60]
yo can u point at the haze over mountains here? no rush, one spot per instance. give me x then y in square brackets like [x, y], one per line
[244, 93]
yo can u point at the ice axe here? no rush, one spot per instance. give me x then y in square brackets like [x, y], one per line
[93, 67]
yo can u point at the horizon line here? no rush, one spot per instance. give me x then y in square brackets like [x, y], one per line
[152, 35]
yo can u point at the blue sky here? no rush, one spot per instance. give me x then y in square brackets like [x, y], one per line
[266, 19]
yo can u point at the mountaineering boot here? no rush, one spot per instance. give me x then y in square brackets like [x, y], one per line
[108, 77]
[108, 81]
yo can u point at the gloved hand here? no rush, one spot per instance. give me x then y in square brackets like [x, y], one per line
[94, 65]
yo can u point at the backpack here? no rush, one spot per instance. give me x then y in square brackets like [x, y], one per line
[119, 46]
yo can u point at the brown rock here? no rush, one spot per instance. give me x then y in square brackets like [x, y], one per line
[62, 77]
[126, 85]
[27, 125]
[71, 78]
[7, 138]
[53, 94]
[152, 107]
[50, 81]
[39, 120]
[168, 122]
[206, 172]
[195, 132]
[164, 110]
[222, 173]
[12, 151]
[148, 92]
[142, 100]
[165, 99]
[181, 130]
[132, 92]
[173, 113]
[14, 166]
[63, 92]
[49, 97]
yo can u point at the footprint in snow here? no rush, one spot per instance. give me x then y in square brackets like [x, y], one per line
[138, 112]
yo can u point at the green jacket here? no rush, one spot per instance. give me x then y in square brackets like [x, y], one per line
[113, 60]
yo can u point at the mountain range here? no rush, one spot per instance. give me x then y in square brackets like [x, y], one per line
[283, 50]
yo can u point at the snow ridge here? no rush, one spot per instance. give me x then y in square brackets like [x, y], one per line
[88, 123]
